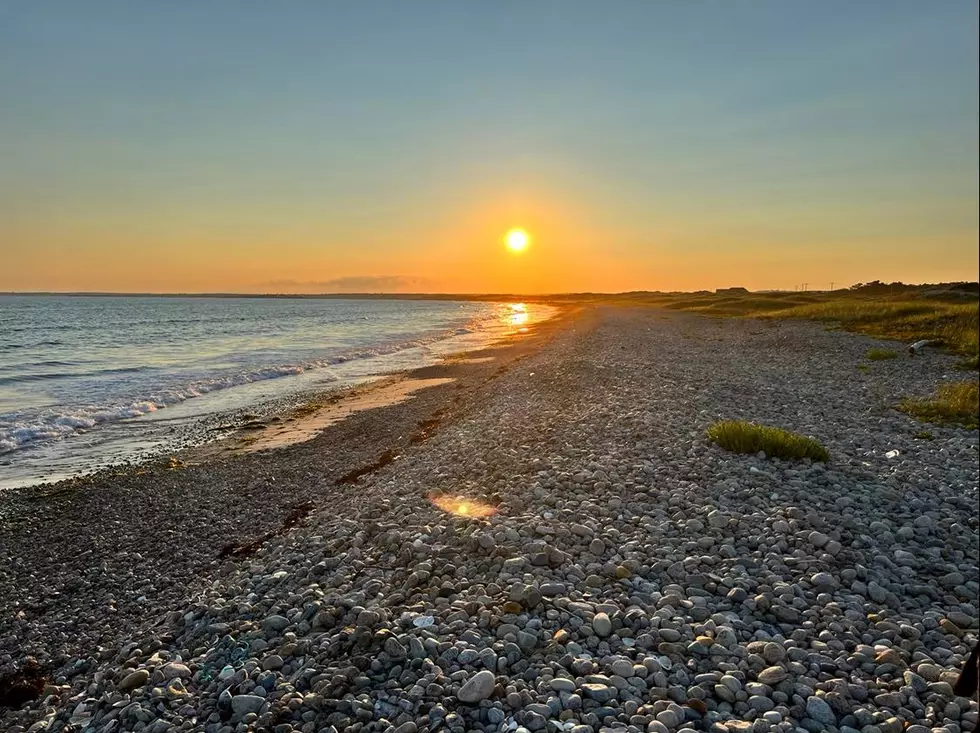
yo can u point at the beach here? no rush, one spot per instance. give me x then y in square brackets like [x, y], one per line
[534, 536]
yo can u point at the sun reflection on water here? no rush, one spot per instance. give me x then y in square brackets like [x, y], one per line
[517, 315]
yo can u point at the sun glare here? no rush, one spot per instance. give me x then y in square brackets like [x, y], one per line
[517, 240]
[463, 507]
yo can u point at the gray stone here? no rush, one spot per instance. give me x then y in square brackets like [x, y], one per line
[478, 687]
[602, 625]
[275, 623]
[245, 704]
[599, 693]
[818, 709]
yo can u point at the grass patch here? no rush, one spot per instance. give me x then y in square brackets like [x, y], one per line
[906, 313]
[740, 436]
[864, 368]
[924, 435]
[952, 325]
[881, 354]
[953, 404]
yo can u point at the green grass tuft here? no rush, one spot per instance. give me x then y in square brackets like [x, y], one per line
[953, 404]
[881, 354]
[924, 435]
[740, 436]
[864, 368]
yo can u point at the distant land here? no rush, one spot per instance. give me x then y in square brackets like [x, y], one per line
[962, 289]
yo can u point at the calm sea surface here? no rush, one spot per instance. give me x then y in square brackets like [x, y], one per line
[90, 381]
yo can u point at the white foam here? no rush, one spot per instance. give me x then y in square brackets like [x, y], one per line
[17, 431]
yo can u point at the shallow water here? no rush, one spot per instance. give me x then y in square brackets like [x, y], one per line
[87, 381]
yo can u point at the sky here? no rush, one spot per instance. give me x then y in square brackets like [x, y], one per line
[379, 146]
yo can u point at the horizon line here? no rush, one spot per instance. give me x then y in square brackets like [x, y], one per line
[444, 295]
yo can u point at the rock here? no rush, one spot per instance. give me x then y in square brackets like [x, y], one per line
[242, 705]
[275, 623]
[368, 619]
[892, 725]
[175, 669]
[602, 625]
[717, 520]
[877, 593]
[823, 580]
[478, 687]
[772, 675]
[962, 620]
[773, 652]
[598, 692]
[133, 680]
[272, 662]
[818, 539]
[561, 684]
[526, 641]
[818, 709]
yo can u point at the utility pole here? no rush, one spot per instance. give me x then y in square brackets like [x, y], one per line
[804, 286]
[831, 286]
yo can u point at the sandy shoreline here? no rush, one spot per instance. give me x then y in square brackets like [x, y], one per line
[627, 573]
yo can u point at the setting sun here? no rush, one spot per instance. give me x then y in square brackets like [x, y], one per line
[517, 240]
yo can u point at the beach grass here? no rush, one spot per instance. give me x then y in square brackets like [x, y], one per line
[881, 354]
[948, 319]
[740, 436]
[956, 403]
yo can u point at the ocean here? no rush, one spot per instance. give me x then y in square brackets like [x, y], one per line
[92, 381]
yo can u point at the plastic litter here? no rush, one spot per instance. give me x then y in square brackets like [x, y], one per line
[892, 454]
[421, 622]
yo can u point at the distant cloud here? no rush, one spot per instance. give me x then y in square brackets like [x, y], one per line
[353, 284]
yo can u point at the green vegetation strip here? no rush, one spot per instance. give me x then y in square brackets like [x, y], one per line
[740, 436]
[881, 354]
[947, 316]
[953, 404]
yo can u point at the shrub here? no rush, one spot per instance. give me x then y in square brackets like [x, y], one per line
[957, 403]
[881, 354]
[740, 436]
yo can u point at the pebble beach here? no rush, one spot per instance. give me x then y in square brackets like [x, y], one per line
[542, 541]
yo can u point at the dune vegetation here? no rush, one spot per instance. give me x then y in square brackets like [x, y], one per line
[740, 436]
[945, 315]
[957, 403]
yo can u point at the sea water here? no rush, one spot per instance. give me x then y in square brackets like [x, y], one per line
[89, 381]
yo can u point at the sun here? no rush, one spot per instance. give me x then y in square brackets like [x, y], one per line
[517, 240]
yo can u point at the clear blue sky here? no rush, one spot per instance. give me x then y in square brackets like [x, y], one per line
[229, 145]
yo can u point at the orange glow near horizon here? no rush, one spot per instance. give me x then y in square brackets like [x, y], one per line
[577, 245]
